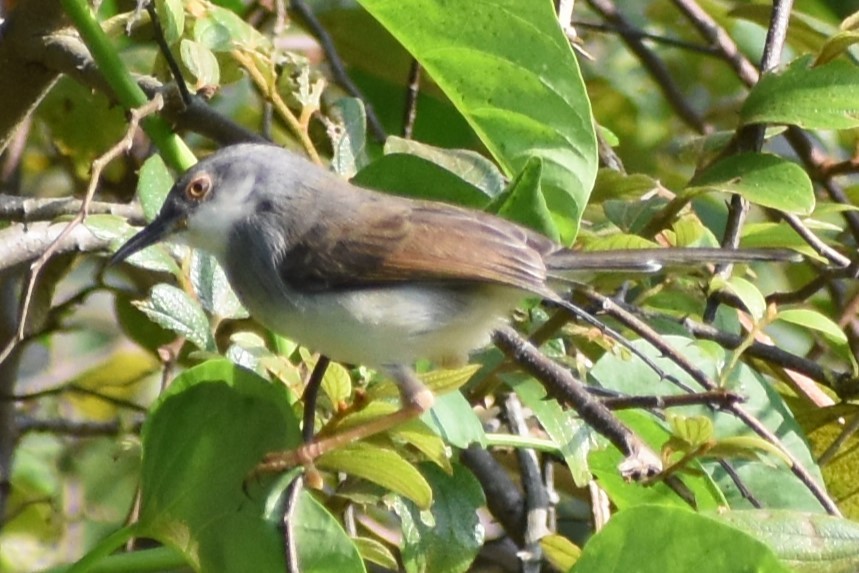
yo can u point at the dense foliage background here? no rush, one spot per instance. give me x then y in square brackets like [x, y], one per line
[138, 398]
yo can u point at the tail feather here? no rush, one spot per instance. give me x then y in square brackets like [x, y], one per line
[652, 260]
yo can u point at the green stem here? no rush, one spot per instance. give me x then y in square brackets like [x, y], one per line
[126, 90]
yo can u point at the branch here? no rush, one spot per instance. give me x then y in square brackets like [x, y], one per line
[640, 461]
[536, 497]
[24, 243]
[25, 210]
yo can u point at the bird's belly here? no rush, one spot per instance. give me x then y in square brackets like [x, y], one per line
[390, 325]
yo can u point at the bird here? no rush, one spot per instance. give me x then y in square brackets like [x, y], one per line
[370, 278]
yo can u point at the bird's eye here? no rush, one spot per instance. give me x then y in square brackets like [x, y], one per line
[198, 187]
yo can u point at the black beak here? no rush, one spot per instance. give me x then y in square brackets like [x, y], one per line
[152, 233]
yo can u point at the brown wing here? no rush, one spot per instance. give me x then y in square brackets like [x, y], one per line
[393, 241]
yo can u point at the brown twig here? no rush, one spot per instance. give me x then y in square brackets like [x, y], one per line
[640, 461]
[719, 399]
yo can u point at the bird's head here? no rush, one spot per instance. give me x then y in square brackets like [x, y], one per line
[207, 201]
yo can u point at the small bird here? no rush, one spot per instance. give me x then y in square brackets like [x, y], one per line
[370, 278]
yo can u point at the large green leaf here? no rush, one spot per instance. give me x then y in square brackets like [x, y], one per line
[807, 542]
[648, 539]
[211, 427]
[510, 71]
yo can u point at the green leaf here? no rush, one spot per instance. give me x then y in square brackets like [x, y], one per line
[171, 13]
[337, 384]
[564, 427]
[348, 136]
[633, 216]
[523, 201]
[482, 56]
[448, 537]
[412, 176]
[623, 494]
[694, 430]
[812, 319]
[212, 287]
[382, 466]
[761, 178]
[201, 62]
[453, 418]
[440, 381]
[624, 545]
[560, 551]
[466, 164]
[822, 97]
[747, 292]
[211, 426]
[835, 46]
[806, 542]
[312, 523]
[376, 552]
[173, 309]
[153, 185]
[225, 31]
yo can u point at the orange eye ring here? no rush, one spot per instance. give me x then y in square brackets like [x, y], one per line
[198, 187]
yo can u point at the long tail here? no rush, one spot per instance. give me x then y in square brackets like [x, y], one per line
[652, 260]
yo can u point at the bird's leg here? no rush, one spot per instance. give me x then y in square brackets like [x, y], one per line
[415, 399]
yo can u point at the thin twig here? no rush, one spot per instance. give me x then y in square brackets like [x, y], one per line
[719, 39]
[97, 166]
[656, 38]
[751, 138]
[412, 92]
[290, 547]
[311, 392]
[168, 55]
[814, 242]
[719, 399]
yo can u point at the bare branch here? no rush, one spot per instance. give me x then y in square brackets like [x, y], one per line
[27, 209]
[640, 461]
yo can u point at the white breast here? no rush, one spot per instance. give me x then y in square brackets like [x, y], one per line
[393, 324]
